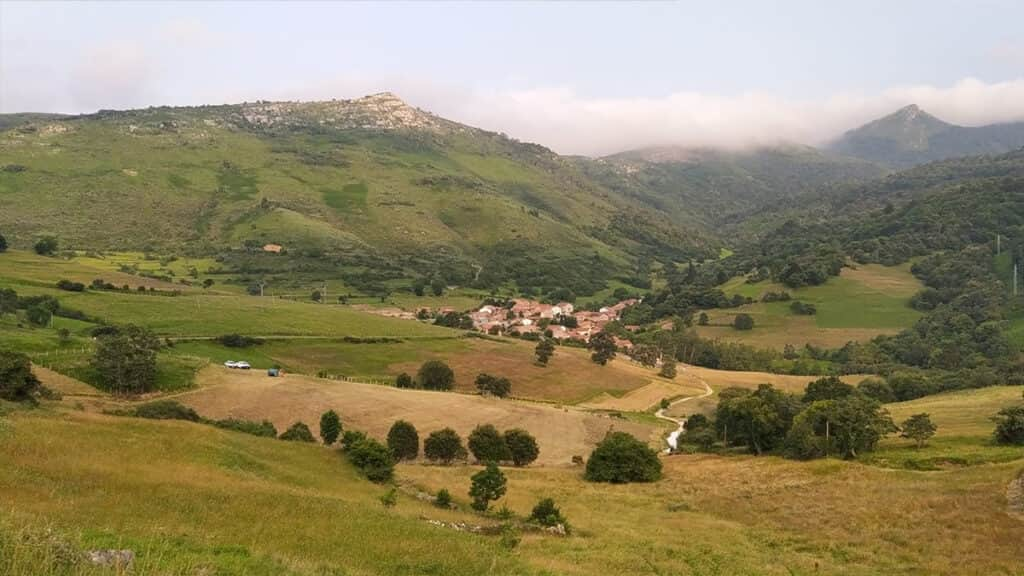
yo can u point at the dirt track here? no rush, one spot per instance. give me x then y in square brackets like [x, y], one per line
[561, 432]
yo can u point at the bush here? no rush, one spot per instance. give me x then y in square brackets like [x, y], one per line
[803, 308]
[38, 315]
[265, 428]
[403, 440]
[349, 438]
[238, 341]
[546, 513]
[743, 322]
[166, 410]
[522, 446]
[330, 427]
[435, 375]
[17, 382]
[668, 369]
[444, 446]
[493, 385]
[374, 460]
[488, 445]
[3, 243]
[70, 286]
[443, 499]
[45, 246]
[298, 432]
[404, 381]
[1010, 426]
[602, 347]
[621, 458]
[488, 485]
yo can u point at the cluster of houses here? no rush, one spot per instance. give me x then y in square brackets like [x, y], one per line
[562, 319]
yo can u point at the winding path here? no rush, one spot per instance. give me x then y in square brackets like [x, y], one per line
[673, 438]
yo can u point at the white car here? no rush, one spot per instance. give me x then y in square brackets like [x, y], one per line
[242, 365]
[231, 364]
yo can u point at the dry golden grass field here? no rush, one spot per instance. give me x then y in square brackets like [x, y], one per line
[561, 432]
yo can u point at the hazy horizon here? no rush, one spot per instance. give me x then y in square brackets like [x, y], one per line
[579, 78]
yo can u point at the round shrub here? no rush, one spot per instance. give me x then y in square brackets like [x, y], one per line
[403, 440]
[522, 446]
[621, 458]
[435, 375]
[298, 432]
[444, 446]
[488, 445]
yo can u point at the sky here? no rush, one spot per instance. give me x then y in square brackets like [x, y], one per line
[578, 77]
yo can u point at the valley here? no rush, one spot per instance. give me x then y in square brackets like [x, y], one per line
[832, 342]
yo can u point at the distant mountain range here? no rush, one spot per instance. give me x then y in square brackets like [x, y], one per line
[911, 136]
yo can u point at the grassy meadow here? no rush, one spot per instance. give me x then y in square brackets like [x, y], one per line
[859, 304]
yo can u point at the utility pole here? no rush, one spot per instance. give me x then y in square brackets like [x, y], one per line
[323, 294]
[262, 284]
[999, 244]
[1015, 265]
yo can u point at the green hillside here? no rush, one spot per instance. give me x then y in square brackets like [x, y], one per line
[369, 189]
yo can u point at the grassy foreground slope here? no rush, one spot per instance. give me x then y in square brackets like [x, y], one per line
[190, 499]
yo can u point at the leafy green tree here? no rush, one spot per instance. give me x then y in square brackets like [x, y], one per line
[918, 428]
[45, 246]
[758, 419]
[3, 243]
[17, 382]
[435, 375]
[316, 296]
[668, 368]
[349, 439]
[419, 286]
[488, 485]
[546, 513]
[522, 446]
[743, 322]
[443, 499]
[1010, 426]
[373, 459]
[404, 381]
[444, 446]
[298, 432]
[330, 427]
[38, 315]
[126, 360]
[703, 319]
[487, 444]
[404, 440]
[437, 286]
[827, 388]
[646, 354]
[878, 389]
[602, 348]
[857, 423]
[207, 283]
[621, 458]
[493, 385]
[544, 350]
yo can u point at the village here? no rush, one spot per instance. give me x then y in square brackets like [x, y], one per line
[561, 321]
